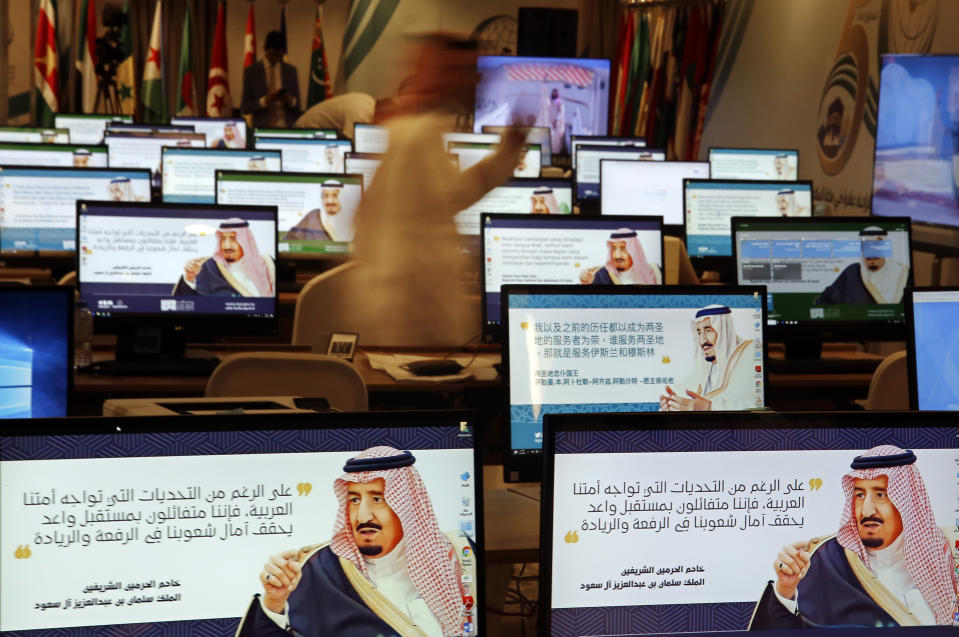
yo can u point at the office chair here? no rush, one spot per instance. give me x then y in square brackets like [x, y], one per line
[889, 387]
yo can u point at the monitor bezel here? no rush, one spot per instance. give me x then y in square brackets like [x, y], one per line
[912, 361]
[528, 467]
[831, 331]
[206, 150]
[748, 148]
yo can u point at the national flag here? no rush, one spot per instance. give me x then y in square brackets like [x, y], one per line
[126, 81]
[218, 101]
[86, 56]
[249, 40]
[153, 93]
[46, 74]
[320, 88]
[186, 87]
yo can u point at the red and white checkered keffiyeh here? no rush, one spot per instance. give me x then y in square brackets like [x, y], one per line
[928, 558]
[430, 557]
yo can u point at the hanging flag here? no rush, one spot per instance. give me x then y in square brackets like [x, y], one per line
[126, 82]
[153, 93]
[320, 88]
[46, 75]
[218, 101]
[186, 87]
[86, 56]
[249, 40]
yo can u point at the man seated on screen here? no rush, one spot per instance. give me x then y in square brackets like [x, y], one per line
[121, 189]
[783, 170]
[626, 263]
[231, 138]
[876, 278]
[388, 570]
[786, 204]
[889, 564]
[81, 158]
[236, 268]
[328, 223]
[543, 202]
[722, 378]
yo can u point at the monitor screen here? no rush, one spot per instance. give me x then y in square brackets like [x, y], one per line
[123, 518]
[710, 204]
[34, 135]
[227, 132]
[629, 348]
[932, 342]
[308, 155]
[570, 96]
[677, 525]
[917, 162]
[189, 174]
[87, 129]
[315, 211]
[14, 154]
[122, 127]
[603, 140]
[176, 259]
[472, 138]
[827, 272]
[145, 150]
[306, 133]
[368, 138]
[471, 153]
[365, 164]
[586, 168]
[754, 163]
[554, 249]
[36, 351]
[519, 196]
[38, 206]
[536, 135]
[647, 187]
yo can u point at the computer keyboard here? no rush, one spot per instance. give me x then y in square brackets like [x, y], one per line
[154, 367]
[823, 365]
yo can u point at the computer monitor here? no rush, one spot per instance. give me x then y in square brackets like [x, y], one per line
[87, 129]
[369, 138]
[296, 133]
[518, 196]
[221, 132]
[308, 155]
[580, 349]
[586, 168]
[365, 164]
[22, 154]
[123, 127]
[932, 347]
[711, 203]
[471, 138]
[316, 211]
[200, 503]
[471, 153]
[675, 524]
[39, 204]
[828, 278]
[34, 135]
[36, 351]
[186, 269]
[145, 150]
[535, 135]
[189, 174]
[575, 141]
[648, 188]
[560, 249]
[568, 95]
[754, 163]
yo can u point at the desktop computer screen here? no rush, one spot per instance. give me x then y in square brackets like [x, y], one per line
[221, 132]
[827, 277]
[518, 196]
[570, 96]
[647, 187]
[34, 135]
[87, 129]
[365, 164]
[473, 138]
[754, 163]
[627, 348]
[178, 262]
[23, 154]
[145, 150]
[535, 135]
[38, 206]
[932, 346]
[189, 174]
[713, 524]
[296, 133]
[602, 140]
[586, 168]
[471, 153]
[315, 211]
[369, 138]
[308, 155]
[36, 351]
[560, 249]
[711, 203]
[162, 525]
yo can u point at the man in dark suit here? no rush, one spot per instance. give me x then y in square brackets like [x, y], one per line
[271, 90]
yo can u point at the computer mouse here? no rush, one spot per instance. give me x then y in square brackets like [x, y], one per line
[434, 367]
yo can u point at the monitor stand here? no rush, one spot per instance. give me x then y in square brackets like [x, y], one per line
[155, 351]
